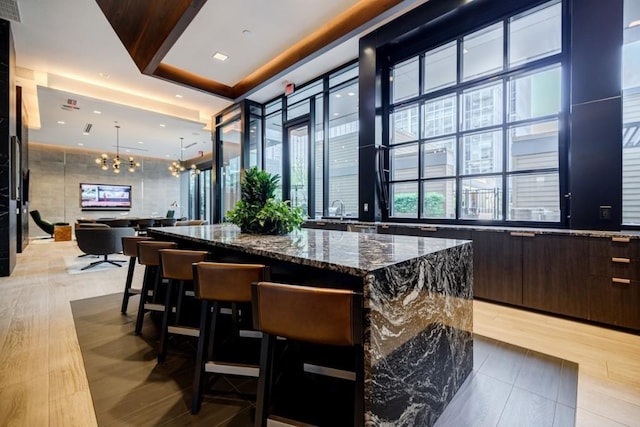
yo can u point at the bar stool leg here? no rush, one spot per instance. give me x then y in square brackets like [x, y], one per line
[263, 399]
[127, 285]
[179, 301]
[358, 404]
[164, 331]
[143, 298]
[205, 326]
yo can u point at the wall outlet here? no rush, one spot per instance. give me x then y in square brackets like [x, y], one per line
[605, 213]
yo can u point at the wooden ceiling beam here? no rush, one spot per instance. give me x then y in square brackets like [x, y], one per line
[149, 28]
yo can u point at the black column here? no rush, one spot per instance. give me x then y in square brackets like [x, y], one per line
[7, 129]
[595, 145]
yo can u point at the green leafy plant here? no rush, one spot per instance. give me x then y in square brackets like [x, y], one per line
[258, 211]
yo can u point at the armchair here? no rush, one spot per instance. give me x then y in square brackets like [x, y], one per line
[45, 225]
[102, 241]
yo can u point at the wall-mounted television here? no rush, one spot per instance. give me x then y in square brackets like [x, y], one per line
[105, 197]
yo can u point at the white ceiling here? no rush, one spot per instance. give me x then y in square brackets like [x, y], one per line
[67, 49]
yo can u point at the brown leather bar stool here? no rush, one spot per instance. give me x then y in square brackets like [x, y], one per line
[331, 317]
[217, 283]
[149, 256]
[130, 249]
[176, 266]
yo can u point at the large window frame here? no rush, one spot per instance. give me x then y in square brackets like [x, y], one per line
[504, 174]
[311, 103]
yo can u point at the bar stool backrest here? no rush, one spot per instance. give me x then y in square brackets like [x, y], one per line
[148, 251]
[226, 281]
[130, 245]
[177, 264]
[310, 314]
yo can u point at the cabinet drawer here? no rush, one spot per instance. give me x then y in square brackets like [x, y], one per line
[615, 302]
[615, 247]
[622, 267]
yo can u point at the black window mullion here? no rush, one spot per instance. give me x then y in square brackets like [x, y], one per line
[505, 113]
[459, 129]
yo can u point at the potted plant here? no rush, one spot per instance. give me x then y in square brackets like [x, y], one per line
[258, 211]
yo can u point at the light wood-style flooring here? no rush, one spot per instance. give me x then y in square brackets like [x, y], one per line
[43, 381]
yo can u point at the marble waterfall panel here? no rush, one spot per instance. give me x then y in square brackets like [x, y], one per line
[418, 337]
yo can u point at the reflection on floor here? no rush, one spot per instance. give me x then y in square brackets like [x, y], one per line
[509, 385]
[513, 386]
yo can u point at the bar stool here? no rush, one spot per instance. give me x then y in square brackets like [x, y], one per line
[176, 266]
[149, 256]
[331, 317]
[130, 249]
[215, 283]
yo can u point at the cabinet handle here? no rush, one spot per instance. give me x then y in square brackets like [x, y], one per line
[621, 260]
[428, 229]
[385, 226]
[522, 234]
[620, 239]
[321, 224]
[619, 280]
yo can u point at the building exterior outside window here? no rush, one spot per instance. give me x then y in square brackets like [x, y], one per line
[474, 124]
[631, 114]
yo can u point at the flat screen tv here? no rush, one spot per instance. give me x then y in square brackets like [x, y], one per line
[105, 197]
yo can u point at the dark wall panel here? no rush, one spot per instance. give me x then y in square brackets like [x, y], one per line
[7, 129]
[596, 164]
[596, 38]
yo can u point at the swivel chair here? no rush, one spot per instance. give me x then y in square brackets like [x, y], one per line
[45, 225]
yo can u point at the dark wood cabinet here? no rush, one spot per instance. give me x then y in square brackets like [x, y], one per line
[321, 225]
[556, 274]
[615, 301]
[614, 282]
[497, 266]
[436, 232]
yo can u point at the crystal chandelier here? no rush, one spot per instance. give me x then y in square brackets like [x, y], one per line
[177, 167]
[116, 163]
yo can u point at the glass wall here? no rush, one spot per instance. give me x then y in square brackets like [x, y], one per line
[631, 114]
[474, 124]
[343, 150]
[273, 162]
[317, 128]
[229, 139]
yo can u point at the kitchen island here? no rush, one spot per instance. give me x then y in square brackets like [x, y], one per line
[417, 305]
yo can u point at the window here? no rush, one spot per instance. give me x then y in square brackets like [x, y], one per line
[319, 125]
[631, 114]
[343, 149]
[480, 142]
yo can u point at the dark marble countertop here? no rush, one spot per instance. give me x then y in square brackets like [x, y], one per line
[352, 253]
[632, 234]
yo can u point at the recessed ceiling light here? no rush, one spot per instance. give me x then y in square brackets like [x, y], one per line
[634, 24]
[338, 95]
[105, 75]
[60, 122]
[336, 114]
[97, 112]
[246, 33]
[178, 95]
[220, 56]
[140, 142]
[351, 93]
[80, 144]
[162, 125]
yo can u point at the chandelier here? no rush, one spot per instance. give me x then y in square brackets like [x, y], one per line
[177, 167]
[116, 163]
[194, 171]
